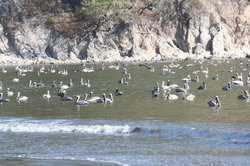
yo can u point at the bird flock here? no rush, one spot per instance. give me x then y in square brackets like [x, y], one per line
[173, 91]
[60, 88]
[169, 90]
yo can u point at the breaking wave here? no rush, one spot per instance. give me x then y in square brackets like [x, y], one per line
[61, 126]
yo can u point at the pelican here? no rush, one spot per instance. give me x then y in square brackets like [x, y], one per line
[81, 83]
[205, 71]
[3, 100]
[93, 99]
[215, 102]
[110, 99]
[238, 82]
[170, 96]
[248, 81]
[203, 86]
[4, 70]
[196, 79]
[9, 93]
[171, 86]
[46, 95]
[245, 96]
[53, 84]
[183, 90]
[1, 85]
[21, 98]
[188, 97]
[156, 90]
[106, 100]
[80, 102]
[87, 84]
[15, 80]
[117, 92]
[61, 92]
[65, 98]
[163, 86]
[187, 79]
[227, 87]
[70, 84]
[63, 86]
[216, 77]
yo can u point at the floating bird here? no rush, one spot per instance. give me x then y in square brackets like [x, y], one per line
[9, 93]
[2, 99]
[4, 70]
[21, 98]
[106, 100]
[203, 86]
[80, 102]
[227, 87]
[93, 99]
[216, 77]
[156, 90]
[245, 96]
[65, 98]
[215, 102]
[238, 82]
[170, 96]
[117, 92]
[47, 95]
[182, 90]
[188, 96]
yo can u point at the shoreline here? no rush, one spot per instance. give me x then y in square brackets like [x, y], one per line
[11, 60]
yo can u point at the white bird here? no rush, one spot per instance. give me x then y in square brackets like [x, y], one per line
[170, 96]
[238, 82]
[9, 93]
[205, 71]
[21, 98]
[248, 81]
[63, 86]
[70, 84]
[1, 86]
[87, 84]
[170, 85]
[164, 87]
[47, 95]
[187, 79]
[15, 80]
[214, 103]
[188, 97]
[80, 102]
[4, 70]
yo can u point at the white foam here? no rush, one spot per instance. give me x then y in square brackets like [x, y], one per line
[59, 126]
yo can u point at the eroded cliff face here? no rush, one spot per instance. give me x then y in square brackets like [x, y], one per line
[151, 30]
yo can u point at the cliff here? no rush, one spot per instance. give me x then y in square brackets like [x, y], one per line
[54, 30]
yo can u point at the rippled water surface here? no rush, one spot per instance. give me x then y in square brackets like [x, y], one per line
[136, 129]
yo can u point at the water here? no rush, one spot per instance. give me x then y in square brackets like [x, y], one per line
[134, 130]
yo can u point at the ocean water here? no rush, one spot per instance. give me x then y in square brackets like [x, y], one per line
[136, 129]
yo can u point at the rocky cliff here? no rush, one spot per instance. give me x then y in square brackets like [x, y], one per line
[52, 30]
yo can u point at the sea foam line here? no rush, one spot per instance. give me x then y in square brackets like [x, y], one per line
[31, 126]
